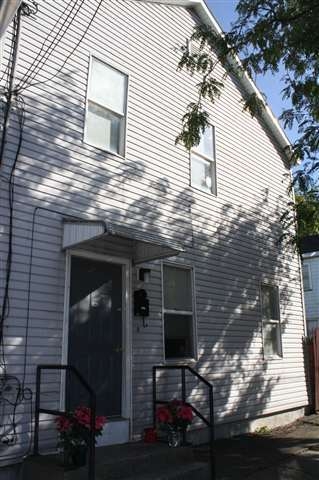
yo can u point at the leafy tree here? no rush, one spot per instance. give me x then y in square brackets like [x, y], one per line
[268, 36]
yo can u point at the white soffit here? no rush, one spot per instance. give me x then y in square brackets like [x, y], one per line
[144, 246]
[205, 15]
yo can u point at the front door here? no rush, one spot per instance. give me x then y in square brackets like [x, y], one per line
[95, 343]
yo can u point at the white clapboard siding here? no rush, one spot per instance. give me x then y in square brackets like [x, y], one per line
[230, 239]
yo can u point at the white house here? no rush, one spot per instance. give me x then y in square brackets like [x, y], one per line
[102, 193]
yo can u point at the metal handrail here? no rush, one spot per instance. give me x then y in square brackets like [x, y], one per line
[38, 411]
[210, 423]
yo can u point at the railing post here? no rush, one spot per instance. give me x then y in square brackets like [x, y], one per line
[92, 438]
[37, 412]
[183, 373]
[212, 434]
[154, 397]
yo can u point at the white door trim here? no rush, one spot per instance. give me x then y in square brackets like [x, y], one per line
[126, 319]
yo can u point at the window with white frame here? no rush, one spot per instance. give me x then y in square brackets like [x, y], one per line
[106, 107]
[271, 329]
[306, 274]
[178, 312]
[203, 163]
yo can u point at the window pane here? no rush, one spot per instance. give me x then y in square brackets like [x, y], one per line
[203, 174]
[306, 276]
[271, 337]
[177, 289]
[269, 302]
[206, 146]
[107, 86]
[178, 336]
[103, 128]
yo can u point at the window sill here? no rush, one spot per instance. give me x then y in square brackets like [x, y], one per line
[180, 361]
[104, 150]
[272, 358]
[211, 194]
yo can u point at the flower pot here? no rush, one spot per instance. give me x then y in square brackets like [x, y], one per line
[174, 438]
[78, 456]
[74, 457]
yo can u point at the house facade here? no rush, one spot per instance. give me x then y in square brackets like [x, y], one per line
[108, 212]
[310, 269]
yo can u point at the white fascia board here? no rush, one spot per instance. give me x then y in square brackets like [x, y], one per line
[8, 9]
[249, 86]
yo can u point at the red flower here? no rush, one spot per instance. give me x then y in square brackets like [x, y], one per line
[185, 413]
[163, 415]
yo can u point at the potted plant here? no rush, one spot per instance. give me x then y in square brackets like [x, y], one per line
[74, 434]
[174, 417]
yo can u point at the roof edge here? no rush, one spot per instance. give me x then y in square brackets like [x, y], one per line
[250, 87]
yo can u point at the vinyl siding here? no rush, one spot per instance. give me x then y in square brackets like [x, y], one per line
[230, 240]
[311, 296]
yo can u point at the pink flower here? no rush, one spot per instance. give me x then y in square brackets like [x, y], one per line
[100, 422]
[83, 415]
[63, 424]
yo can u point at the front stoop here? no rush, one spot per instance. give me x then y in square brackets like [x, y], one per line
[125, 462]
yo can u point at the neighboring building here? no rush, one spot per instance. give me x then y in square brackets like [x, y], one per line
[102, 192]
[310, 270]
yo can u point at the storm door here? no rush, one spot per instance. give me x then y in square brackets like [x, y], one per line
[95, 334]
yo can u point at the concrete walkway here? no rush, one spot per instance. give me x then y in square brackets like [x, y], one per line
[290, 453]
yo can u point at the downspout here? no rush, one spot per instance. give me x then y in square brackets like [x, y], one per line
[9, 94]
[300, 272]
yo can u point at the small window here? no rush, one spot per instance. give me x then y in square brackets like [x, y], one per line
[203, 163]
[178, 312]
[106, 108]
[306, 274]
[271, 321]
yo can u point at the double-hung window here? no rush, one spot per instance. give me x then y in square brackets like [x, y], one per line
[178, 312]
[271, 329]
[106, 107]
[203, 163]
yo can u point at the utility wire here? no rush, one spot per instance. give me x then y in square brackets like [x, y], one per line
[71, 53]
[41, 59]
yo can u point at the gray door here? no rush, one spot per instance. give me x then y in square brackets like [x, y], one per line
[95, 334]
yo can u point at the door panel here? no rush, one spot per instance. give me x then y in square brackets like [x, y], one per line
[95, 333]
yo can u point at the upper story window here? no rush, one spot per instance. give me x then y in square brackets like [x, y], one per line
[271, 329]
[203, 163]
[306, 274]
[178, 312]
[106, 107]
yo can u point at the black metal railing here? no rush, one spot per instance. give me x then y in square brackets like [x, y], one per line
[208, 422]
[39, 410]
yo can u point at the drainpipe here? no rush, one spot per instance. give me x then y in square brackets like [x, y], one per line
[300, 274]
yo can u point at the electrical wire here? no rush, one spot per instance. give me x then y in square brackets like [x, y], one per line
[41, 59]
[70, 54]
[15, 105]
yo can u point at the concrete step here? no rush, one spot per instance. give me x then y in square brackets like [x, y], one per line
[124, 462]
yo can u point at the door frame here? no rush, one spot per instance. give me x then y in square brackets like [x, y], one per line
[126, 324]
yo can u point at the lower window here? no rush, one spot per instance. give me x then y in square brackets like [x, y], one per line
[178, 312]
[271, 329]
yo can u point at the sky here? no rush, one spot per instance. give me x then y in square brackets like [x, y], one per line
[224, 12]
